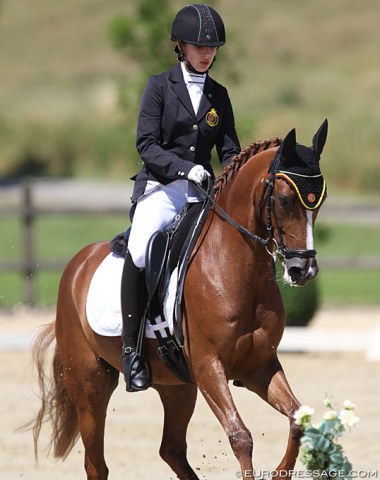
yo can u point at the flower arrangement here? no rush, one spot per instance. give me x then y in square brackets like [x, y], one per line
[320, 452]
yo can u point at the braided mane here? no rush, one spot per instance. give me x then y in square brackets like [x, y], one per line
[239, 160]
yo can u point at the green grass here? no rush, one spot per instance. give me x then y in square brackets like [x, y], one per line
[56, 238]
[11, 289]
[347, 240]
[60, 237]
[349, 287]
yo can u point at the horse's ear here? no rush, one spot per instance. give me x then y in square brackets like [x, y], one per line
[288, 145]
[319, 139]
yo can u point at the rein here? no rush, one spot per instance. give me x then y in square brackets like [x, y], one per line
[230, 220]
[279, 247]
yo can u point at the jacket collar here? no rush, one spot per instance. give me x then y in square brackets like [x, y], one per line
[179, 87]
[206, 100]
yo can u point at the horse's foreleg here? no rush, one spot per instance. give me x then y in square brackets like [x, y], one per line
[281, 397]
[271, 384]
[212, 382]
[178, 402]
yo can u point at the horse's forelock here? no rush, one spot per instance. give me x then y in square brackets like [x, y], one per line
[239, 160]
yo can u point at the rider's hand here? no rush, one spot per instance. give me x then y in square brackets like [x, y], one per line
[198, 174]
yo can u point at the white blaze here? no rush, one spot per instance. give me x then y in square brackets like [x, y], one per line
[309, 230]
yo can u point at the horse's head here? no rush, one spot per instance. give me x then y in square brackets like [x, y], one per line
[294, 192]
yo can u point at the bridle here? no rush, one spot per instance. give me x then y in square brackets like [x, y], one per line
[273, 247]
[281, 249]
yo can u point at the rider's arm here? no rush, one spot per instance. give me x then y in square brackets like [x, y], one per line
[149, 136]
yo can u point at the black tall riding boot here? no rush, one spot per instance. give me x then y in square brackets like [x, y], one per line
[132, 304]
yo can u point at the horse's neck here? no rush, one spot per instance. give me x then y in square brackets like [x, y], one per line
[239, 198]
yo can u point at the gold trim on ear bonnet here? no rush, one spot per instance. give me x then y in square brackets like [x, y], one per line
[311, 190]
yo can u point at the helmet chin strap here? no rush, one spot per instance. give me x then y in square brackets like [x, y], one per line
[182, 58]
[191, 69]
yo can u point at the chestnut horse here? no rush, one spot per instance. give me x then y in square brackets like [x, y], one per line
[233, 314]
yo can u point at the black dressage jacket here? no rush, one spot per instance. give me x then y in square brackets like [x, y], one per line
[171, 139]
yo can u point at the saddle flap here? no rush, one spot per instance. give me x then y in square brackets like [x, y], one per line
[155, 260]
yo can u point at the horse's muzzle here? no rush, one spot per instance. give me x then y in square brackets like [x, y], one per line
[300, 270]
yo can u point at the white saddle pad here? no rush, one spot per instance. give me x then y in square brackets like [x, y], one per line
[103, 307]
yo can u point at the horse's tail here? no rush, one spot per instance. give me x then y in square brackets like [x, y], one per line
[57, 407]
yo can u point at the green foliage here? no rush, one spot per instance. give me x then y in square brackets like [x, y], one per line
[39, 151]
[120, 32]
[67, 150]
[301, 303]
[320, 452]
[144, 38]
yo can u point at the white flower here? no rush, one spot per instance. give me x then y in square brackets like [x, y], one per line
[319, 442]
[348, 418]
[347, 405]
[303, 414]
[330, 415]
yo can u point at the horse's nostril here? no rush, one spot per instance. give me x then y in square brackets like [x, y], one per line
[295, 273]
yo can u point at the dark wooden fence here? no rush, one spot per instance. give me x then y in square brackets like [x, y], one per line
[28, 213]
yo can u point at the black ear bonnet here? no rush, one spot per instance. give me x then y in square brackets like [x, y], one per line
[299, 167]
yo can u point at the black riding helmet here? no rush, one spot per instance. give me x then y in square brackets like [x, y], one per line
[199, 25]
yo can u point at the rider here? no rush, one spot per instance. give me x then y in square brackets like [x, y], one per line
[183, 115]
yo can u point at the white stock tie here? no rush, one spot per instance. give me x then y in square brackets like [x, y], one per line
[195, 84]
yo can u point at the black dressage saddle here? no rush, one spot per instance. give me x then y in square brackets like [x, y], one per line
[168, 249]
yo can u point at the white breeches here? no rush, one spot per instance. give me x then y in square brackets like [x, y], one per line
[156, 209]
